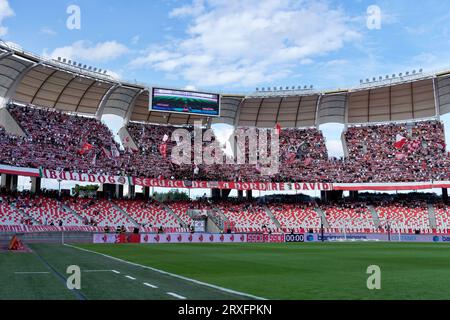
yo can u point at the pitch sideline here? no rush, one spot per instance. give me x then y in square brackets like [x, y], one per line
[173, 274]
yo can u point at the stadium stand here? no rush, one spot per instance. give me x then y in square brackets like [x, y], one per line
[351, 216]
[149, 214]
[297, 217]
[247, 216]
[100, 212]
[374, 155]
[406, 216]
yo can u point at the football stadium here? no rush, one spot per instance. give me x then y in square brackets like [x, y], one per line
[160, 206]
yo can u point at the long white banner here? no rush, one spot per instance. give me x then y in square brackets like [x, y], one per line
[83, 177]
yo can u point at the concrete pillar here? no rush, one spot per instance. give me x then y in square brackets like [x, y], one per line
[354, 195]
[249, 194]
[146, 192]
[225, 193]
[445, 195]
[3, 181]
[215, 194]
[36, 185]
[131, 192]
[14, 183]
[118, 194]
[240, 194]
[327, 196]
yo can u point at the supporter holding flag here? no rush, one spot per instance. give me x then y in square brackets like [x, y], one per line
[85, 148]
[278, 129]
[400, 142]
[163, 150]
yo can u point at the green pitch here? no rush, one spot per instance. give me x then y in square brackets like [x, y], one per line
[208, 271]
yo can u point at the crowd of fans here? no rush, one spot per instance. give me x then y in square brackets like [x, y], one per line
[61, 141]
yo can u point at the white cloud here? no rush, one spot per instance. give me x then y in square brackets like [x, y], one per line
[195, 9]
[5, 12]
[190, 88]
[48, 31]
[233, 42]
[86, 51]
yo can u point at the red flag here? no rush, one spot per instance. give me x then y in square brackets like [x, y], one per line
[163, 150]
[85, 148]
[278, 129]
[400, 141]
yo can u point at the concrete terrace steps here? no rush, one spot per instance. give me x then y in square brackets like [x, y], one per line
[24, 214]
[71, 211]
[375, 217]
[177, 217]
[322, 216]
[272, 217]
[432, 216]
[136, 224]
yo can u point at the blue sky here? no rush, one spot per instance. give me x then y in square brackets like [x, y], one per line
[235, 45]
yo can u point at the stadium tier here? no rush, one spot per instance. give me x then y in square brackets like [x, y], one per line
[59, 141]
[405, 215]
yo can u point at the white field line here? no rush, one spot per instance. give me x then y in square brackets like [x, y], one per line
[96, 271]
[115, 271]
[150, 285]
[176, 295]
[173, 275]
[130, 277]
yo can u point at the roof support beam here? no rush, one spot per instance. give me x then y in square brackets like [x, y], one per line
[131, 107]
[436, 99]
[42, 84]
[316, 120]
[84, 94]
[64, 89]
[12, 89]
[298, 111]
[101, 106]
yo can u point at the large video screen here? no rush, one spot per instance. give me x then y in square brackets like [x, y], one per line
[181, 101]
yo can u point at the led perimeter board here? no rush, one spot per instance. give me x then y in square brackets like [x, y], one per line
[187, 102]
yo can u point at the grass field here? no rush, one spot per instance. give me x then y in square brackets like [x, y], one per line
[272, 271]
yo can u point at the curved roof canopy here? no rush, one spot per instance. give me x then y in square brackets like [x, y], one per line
[27, 78]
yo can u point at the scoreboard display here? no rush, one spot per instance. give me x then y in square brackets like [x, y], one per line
[182, 101]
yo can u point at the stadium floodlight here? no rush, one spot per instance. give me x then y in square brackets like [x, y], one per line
[393, 76]
[414, 72]
[407, 73]
[287, 88]
[257, 89]
[420, 70]
[281, 88]
[263, 89]
[400, 74]
[293, 87]
[380, 78]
